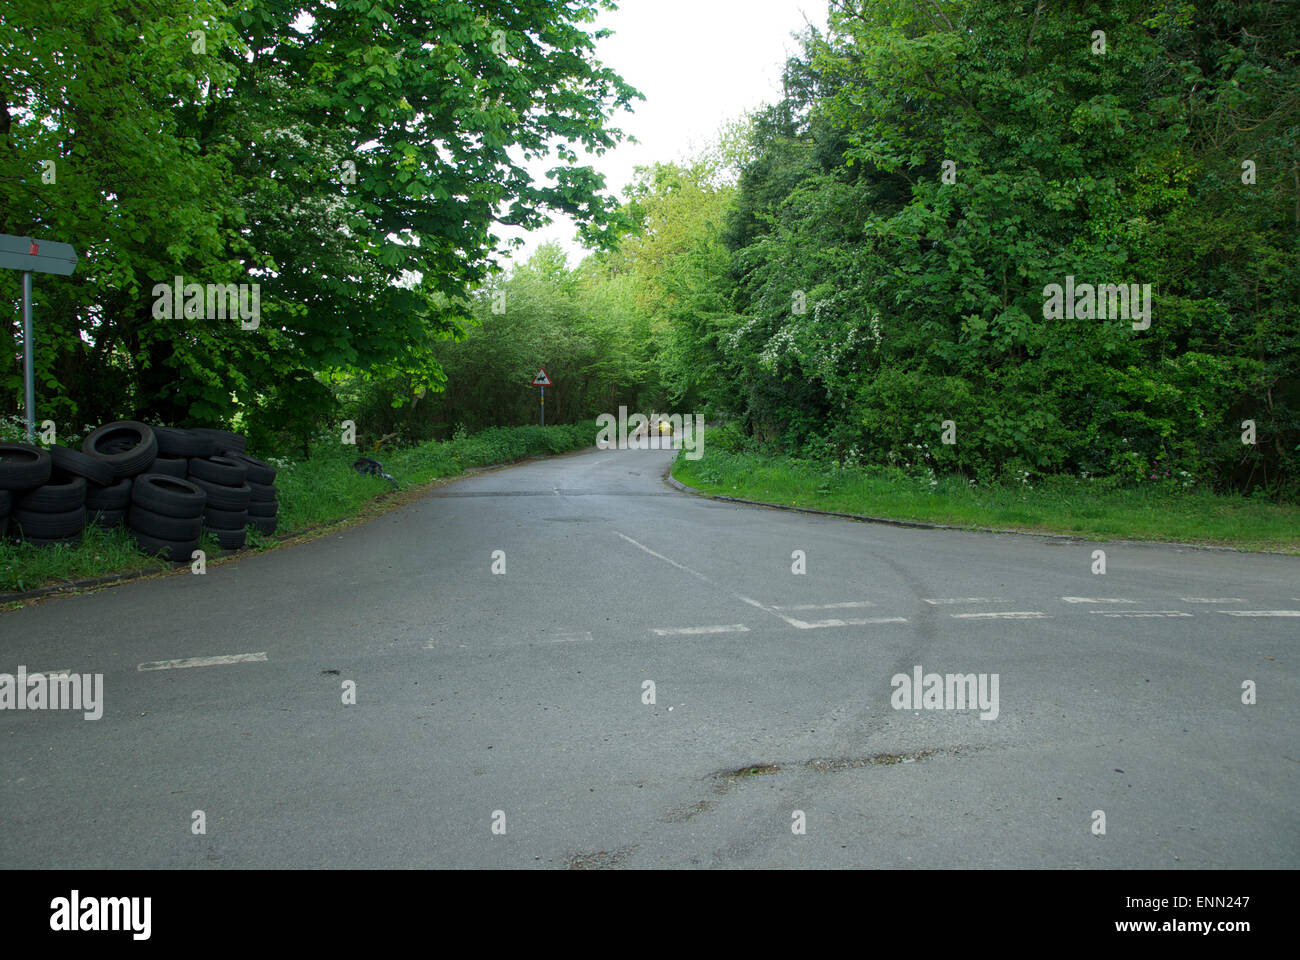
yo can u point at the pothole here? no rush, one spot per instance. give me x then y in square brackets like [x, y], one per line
[875, 760]
[600, 859]
[755, 770]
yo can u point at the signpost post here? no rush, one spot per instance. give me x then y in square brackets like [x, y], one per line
[39, 256]
[542, 381]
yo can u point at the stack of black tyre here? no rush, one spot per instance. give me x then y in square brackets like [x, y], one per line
[263, 502]
[241, 489]
[40, 506]
[224, 481]
[166, 515]
[111, 458]
[163, 513]
[22, 468]
[165, 484]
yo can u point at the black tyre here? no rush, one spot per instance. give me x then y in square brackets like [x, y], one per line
[140, 520]
[223, 497]
[6, 502]
[170, 496]
[231, 539]
[224, 439]
[53, 497]
[49, 526]
[259, 471]
[263, 508]
[171, 467]
[115, 497]
[173, 442]
[171, 549]
[266, 525]
[107, 519]
[216, 519]
[78, 464]
[222, 470]
[128, 447]
[261, 493]
[23, 467]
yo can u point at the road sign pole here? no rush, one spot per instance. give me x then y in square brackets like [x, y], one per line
[541, 382]
[44, 256]
[29, 363]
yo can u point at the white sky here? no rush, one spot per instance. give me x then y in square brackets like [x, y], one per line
[699, 63]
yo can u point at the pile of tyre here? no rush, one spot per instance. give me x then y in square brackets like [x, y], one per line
[166, 485]
[43, 492]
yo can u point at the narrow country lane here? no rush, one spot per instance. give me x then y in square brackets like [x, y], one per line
[518, 698]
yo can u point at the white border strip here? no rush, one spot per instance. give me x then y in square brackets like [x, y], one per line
[694, 631]
[203, 661]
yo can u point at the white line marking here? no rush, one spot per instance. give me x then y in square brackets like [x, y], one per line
[693, 631]
[696, 573]
[1143, 613]
[1003, 615]
[583, 636]
[203, 661]
[798, 624]
[951, 600]
[816, 624]
[1097, 600]
[827, 606]
[1260, 613]
[1214, 599]
[679, 566]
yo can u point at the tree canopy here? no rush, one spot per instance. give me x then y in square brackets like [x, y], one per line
[350, 157]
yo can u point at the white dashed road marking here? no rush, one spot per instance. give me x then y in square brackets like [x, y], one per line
[817, 624]
[950, 600]
[1260, 613]
[1096, 600]
[582, 636]
[203, 661]
[828, 606]
[1213, 599]
[692, 631]
[1003, 615]
[1142, 613]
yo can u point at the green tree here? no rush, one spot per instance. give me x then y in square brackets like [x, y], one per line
[350, 157]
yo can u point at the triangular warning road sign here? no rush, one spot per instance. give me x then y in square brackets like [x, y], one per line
[541, 380]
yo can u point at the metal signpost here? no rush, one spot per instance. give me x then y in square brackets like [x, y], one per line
[542, 381]
[33, 256]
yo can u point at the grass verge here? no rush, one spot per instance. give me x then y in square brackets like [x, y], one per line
[1095, 509]
[320, 491]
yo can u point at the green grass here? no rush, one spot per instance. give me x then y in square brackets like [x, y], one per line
[1094, 509]
[320, 490]
[25, 567]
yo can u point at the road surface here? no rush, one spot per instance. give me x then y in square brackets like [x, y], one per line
[500, 719]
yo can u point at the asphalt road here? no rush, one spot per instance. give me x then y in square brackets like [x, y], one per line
[517, 699]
